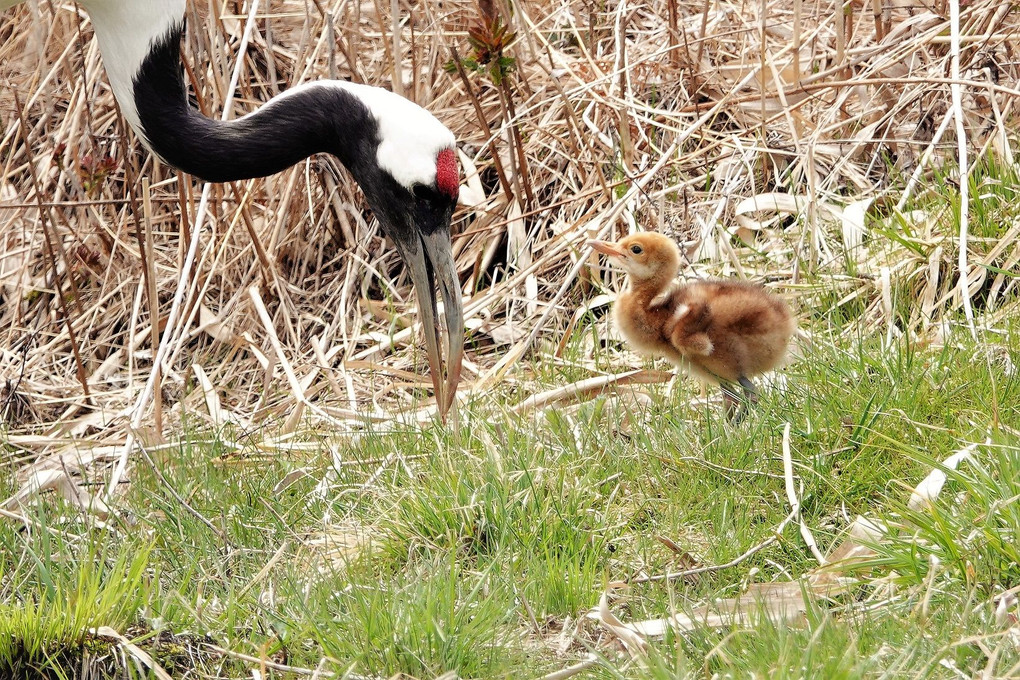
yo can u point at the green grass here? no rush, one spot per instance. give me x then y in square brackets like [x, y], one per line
[56, 586]
[482, 545]
[482, 550]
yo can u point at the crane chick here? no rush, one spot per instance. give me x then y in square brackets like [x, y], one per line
[722, 332]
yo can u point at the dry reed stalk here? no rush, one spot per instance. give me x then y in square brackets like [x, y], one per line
[484, 125]
[149, 281]
[811, 103]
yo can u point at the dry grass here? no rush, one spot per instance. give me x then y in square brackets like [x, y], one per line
[665, 115]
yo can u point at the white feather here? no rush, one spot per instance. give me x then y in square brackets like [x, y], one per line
[410, 136]
[126, 31]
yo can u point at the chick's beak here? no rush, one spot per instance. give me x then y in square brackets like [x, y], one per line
[606, 248]
[429, 256]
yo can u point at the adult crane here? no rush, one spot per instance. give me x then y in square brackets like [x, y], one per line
[401, 155]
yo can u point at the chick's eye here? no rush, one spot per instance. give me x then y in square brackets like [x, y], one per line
[636, 249]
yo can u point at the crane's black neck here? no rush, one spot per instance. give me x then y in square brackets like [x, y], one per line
[286, 130]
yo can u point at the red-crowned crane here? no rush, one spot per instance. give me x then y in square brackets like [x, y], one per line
[401, 155]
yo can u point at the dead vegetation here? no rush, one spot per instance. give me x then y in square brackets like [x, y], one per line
[791, 137]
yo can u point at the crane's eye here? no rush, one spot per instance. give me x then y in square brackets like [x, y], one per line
[636, 249]
[424, 192]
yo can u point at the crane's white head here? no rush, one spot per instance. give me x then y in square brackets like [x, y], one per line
[414, 147]
[406, 163]
[410, 144]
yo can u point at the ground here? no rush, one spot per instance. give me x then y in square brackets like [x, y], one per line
[482, 550]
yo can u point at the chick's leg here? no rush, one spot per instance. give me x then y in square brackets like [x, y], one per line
[750, 391]
[737, 406]
[731, 403]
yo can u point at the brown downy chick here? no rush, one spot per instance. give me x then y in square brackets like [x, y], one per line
[722, 332]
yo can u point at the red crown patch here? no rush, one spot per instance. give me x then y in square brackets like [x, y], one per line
[447, 173]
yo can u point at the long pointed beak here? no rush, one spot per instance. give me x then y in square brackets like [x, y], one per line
[440, 255]
[428, 256]
[606, 248]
